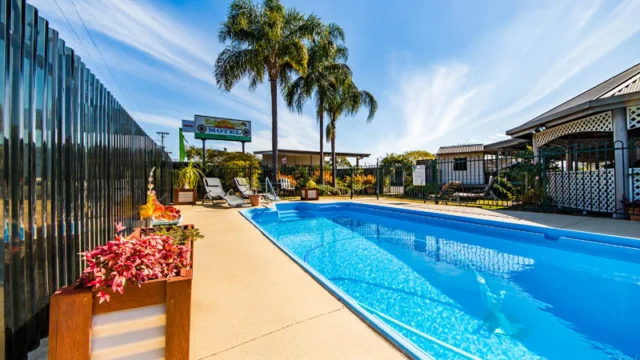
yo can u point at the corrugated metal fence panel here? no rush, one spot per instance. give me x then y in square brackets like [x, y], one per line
[72, 162]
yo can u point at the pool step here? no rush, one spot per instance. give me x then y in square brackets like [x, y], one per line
[287, 216]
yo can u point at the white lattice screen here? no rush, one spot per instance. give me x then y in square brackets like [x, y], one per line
[585, 190]
[634, 183]
[599, 122]
[633, 117]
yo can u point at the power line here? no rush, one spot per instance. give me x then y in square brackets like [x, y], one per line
[72, 29]
[101, 57]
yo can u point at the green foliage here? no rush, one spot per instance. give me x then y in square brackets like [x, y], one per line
[311, 184]
[406, 159]
[264, 42]
[179, 234]
[188, 177]
[328, 190]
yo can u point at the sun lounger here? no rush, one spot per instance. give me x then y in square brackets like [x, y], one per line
[213, 188]
[446, 192]
[486, 193]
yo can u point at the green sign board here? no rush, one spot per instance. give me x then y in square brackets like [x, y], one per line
[215, 128]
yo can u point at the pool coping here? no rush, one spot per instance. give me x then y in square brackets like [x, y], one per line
[396, 339]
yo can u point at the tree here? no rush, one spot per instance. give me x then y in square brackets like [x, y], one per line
[346, 99]
[264, 41]
[406, 159]
[327, 55]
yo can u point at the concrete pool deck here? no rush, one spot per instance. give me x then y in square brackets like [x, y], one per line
[250, 301]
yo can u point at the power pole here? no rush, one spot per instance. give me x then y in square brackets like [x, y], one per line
[162, 134]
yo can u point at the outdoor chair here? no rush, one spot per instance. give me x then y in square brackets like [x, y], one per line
[213, 188]
[286, 187]
[484, 194]
[447, 191]
[245, 190]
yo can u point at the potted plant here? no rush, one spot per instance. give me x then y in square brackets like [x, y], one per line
[632, 208]
[187, 179]
[184, 235]
[143, 280]
[310, 192]
[154, 210]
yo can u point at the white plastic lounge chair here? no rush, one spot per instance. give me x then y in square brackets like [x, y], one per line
[213, 188]
[243, 187]
[285, 186]
[245, 190]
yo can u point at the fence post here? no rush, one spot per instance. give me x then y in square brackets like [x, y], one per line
[351, 183]
[377, 179]
[434, 169]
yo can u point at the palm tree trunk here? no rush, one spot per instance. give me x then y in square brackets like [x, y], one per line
[274, 127]
[321, 120]
[334, 166]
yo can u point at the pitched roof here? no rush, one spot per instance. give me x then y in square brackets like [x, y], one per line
[507, 144]
[460, 149]
[625, 82]
[310, 152]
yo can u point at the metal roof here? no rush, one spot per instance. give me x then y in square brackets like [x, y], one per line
[624, 83]
[311, 153]
[460, 149]
[509, 144]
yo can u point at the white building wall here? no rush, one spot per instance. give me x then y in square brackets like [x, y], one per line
[474, 175]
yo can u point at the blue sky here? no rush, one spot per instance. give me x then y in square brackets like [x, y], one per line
[443, 72]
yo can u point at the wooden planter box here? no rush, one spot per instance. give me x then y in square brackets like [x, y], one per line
[182, 196]
[138, 232]
[150, 321]
[634, 214]
[309, 194]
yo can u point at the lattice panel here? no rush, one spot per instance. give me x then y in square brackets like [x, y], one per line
[633, 117]
[634, 183]
[585, 190]
[599, 122]
[582, 143]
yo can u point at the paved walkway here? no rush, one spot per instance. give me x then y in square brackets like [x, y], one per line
[250, 301]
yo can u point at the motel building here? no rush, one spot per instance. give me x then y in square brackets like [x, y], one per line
[306, 157]
[594, 140]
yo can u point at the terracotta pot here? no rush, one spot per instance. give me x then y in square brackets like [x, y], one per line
[76, 319]
[255, 200]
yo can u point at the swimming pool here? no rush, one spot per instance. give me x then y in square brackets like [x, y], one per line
[452, 287]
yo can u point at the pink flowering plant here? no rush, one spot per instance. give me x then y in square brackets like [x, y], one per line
[124, 261]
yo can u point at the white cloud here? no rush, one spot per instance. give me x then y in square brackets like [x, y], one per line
[158, 120]
[510, 75]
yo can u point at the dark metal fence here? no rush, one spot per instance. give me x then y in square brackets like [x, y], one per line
[72, 163]
[571, 178]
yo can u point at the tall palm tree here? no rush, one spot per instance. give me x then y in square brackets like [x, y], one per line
[327, 55]
[265, 40]
[346, 99]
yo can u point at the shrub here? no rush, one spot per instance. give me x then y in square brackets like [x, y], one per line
[179, 234]
[326, 175]
[125, 261]
[328, 190]
[311, 184]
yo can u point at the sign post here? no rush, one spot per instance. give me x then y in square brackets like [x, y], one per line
[204, 153]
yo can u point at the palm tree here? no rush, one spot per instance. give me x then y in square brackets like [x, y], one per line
[346, 99]
[264, 41]
[327, 55]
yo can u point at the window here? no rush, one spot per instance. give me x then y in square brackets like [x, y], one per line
[460, 164]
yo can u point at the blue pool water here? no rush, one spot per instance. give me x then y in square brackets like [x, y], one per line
[460, 288]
